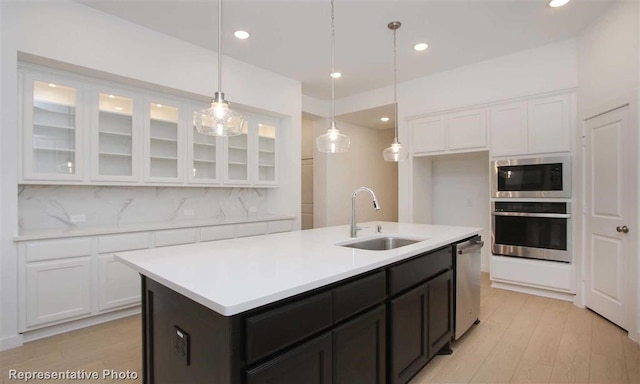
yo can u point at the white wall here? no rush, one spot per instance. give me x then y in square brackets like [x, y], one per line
[608, 62]
[337, 175]
[72, 33]
[460, 194]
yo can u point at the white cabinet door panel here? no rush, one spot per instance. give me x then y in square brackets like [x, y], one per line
[251, 229]
[217, 232]
[508, 127]
[549, 128]
[57, 249]
[57, 290]
[175, 237]
[118, 285]
[280, 226]
[428, 135]
[467, 129]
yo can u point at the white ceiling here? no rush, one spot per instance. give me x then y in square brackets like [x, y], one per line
[292, 37]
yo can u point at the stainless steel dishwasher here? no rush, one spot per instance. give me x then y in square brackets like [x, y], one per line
[467, 291]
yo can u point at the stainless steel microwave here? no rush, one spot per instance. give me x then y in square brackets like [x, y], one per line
[534, 177]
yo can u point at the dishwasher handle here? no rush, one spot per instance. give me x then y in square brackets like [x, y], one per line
[470, 247]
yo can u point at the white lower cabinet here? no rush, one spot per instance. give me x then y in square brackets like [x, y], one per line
[57, 290]
[67, 279]
[118, 284]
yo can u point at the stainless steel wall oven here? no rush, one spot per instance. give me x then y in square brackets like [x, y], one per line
[535, 177]
[536, 230]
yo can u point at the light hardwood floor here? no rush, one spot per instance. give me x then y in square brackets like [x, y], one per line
[521, 339]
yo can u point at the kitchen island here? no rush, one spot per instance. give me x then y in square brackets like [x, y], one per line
[298, 307]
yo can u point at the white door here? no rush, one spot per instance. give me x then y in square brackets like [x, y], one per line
[611, 239]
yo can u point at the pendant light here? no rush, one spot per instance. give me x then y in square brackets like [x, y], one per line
[219, 119]
[333, 141]
[396, 152]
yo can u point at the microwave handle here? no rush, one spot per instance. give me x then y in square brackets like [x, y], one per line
[527, 214]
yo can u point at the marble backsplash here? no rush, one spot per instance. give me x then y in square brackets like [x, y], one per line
[67, 207]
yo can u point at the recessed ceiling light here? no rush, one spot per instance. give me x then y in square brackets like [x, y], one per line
[52, 85]
[118, 108]
[420, 47]
[159, 105]
[557, 3]
[336, 75]
[112, 97]
[384, 119]
[242, 35]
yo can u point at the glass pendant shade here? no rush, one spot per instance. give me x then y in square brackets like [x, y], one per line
[219, 119]
[396, 152]
[333, 141]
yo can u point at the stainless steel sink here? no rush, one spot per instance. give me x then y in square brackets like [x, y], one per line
[381, 243]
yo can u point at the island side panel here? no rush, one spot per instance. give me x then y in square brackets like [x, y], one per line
[185, 342]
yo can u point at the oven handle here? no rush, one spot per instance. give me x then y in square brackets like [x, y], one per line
[528, 214]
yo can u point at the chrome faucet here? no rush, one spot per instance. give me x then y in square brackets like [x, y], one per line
[376, 206]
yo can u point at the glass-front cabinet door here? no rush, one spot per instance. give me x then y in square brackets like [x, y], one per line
[115, 140]
[237, 157]
[163, 141]
[205, 155]
[52, 132]
[267, 153]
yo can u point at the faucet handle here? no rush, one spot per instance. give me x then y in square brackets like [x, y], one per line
[378, 228]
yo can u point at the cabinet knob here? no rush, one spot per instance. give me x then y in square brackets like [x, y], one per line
[622, 229]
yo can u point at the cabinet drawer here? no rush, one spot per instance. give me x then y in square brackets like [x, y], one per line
[252, 229]
[126, 242]
[358, 295]
[280, 226]
[421, 268]
[57, 249]
[275, 329]
[175, 237]
[218, 232]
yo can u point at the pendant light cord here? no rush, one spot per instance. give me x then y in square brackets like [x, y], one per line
[333, 70]
[219, 45]
[395, 84]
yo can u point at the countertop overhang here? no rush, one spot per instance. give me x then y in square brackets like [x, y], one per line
[236, 275]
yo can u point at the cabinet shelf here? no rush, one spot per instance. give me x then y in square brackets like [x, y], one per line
[163, 121]
[205, 144]
[236, 163]
[237, 148]
[50, 106]
[163, 158]
[115, 154]
[53, 149]
[267, 151]
[115, 133]
[266, 165]
[164, 139]
[204, 161]
[54, 126]
[114, 113]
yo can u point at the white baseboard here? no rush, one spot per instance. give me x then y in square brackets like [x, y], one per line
[77, 324]
[568, 296]
[11, 342]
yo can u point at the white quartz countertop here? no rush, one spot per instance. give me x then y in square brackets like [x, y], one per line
[236, 275]
[40, 234]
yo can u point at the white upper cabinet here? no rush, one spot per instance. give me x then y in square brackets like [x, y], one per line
[508, 129]
[164, 141]
[454, 132]
[550, 124]
[237, 149]
[427, 134]
[116, 116]
[205, 155]
[267, 145]
[541, 125]
[52, 128]
[467, 129]
[82, 131]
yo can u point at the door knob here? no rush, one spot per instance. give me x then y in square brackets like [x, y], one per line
[623, 229]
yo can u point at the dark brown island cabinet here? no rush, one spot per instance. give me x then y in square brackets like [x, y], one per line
[379, 327]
